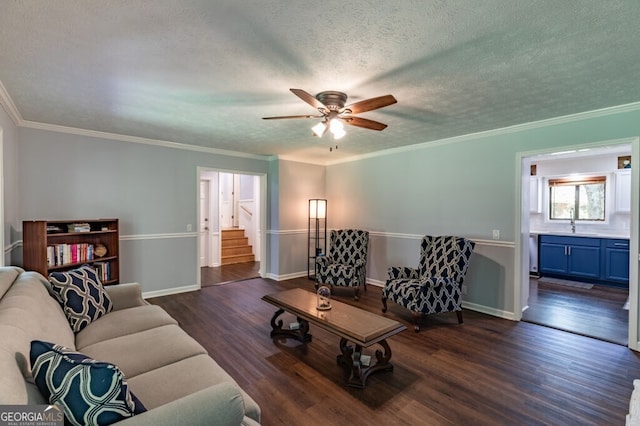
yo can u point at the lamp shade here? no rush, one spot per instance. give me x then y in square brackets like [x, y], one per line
[317, 209]
[319, 129]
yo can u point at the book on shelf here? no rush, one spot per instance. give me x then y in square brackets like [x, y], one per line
[63, 254]
[103, 270]
[53, 229]
[79, 227]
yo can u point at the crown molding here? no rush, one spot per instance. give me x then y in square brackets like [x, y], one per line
[9, 106]
[603, 112]
[136, 139]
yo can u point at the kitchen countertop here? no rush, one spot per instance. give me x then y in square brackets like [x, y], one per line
[581, 234]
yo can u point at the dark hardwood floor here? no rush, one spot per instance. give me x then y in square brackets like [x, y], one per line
[595, 312]
[228, 273]
[487, 371]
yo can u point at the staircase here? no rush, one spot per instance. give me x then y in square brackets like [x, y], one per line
[235, 247]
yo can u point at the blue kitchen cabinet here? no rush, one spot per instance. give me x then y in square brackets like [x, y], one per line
[617, 261]
[599, 260]
[552, 256]
[577, 257]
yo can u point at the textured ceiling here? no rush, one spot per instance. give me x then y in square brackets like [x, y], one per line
[204, 72]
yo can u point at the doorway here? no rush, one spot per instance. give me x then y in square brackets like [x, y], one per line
[586, 307]
[589, 310]
[230, 202]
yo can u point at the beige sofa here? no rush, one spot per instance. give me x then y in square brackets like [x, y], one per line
[170, 373]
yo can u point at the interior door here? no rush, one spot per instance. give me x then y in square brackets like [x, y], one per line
[235, 197]
[229, 200]
[226, 200]
[203, 227]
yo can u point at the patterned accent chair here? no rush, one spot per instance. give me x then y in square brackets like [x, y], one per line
[436, 286]
[345, 264]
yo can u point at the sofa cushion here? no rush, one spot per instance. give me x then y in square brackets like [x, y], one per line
[89, 391]
[123, 322]
[186, 377]
[219, 405]
[27, 312]
[146, 350]
[8, 275]
[81, 295]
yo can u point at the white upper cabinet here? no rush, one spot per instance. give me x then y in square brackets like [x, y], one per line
[623, 190]
[535, 194]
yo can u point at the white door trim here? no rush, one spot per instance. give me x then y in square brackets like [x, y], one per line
[521, 255]
[261, 212]
[204, 231]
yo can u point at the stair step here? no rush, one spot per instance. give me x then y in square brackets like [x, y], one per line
[235, 247]
[234, 251]
[228, 260]
[232, 233]
[234, 242]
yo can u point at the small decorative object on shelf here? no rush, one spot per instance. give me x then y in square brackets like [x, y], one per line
[324, 298]
[100, 250]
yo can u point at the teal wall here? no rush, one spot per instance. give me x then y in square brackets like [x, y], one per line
[464, 186]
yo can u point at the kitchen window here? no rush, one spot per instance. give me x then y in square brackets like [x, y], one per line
[577, 198]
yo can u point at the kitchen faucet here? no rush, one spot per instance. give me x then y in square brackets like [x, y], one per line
[572, 220]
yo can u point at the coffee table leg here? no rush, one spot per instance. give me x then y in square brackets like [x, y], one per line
[301, 334]
[351, 361]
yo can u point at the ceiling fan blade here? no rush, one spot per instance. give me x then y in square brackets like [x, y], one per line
[364, 122]
[292, 116]
[310, 99]
[370, 104]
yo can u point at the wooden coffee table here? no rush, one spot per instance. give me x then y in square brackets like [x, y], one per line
[351, 324]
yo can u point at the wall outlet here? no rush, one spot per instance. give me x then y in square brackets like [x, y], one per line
[496, 234]
[189, 227]
[464, 289]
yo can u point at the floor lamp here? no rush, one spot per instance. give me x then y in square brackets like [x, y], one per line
[317, 233]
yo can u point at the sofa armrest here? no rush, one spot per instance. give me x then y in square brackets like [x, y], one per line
[219, 405]
[125, 296]
[248, 421]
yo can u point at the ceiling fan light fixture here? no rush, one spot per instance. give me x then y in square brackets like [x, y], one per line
[337, 128]
[333, 112]
[319, 129]
[338, 133]
[335, 125]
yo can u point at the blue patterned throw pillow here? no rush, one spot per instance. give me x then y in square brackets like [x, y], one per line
[90, 392]
[81, 295]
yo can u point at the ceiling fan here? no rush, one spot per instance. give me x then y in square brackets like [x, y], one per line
[333, 112]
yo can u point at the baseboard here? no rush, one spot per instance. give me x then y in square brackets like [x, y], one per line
[489, 311]
[287, 276]
[169, 291]
[376, 283]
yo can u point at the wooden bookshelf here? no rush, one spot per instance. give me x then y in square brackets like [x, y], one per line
[53, 245]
